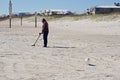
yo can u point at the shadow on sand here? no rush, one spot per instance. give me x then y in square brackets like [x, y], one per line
[91, 65]
[60, 47]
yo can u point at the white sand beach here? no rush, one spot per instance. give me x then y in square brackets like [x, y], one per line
[70, 43]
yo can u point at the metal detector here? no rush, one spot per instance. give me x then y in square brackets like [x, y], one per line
[36, 40]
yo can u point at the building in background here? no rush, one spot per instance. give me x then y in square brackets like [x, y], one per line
[104, 9]
[56, 12]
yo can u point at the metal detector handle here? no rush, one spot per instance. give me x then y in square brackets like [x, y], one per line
[37, 39]
[40, 33]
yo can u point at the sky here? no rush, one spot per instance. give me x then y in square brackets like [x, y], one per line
[78, 6]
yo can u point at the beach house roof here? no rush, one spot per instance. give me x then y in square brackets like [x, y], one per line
[107, 7]
[104, 9]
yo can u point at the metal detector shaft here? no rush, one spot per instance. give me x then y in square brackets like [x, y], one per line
[36, 40]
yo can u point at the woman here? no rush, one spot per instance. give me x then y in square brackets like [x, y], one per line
[45, 31]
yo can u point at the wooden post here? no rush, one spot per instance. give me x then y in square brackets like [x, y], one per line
[35, 19]
[10, 13]
[10, 22]
[21, 20]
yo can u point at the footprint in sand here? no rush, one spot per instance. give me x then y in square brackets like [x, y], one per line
[4, 78]
[2, 65]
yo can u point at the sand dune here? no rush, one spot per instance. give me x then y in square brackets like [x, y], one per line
[70, 43]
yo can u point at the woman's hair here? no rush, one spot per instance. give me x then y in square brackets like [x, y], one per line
[43, 20]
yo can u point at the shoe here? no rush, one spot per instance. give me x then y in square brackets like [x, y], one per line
[44, 46]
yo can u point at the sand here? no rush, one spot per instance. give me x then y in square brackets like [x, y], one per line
[70, 43]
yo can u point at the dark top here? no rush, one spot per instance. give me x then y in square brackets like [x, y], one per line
[45, 27]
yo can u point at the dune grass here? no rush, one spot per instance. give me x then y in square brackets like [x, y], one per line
[97, 17]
